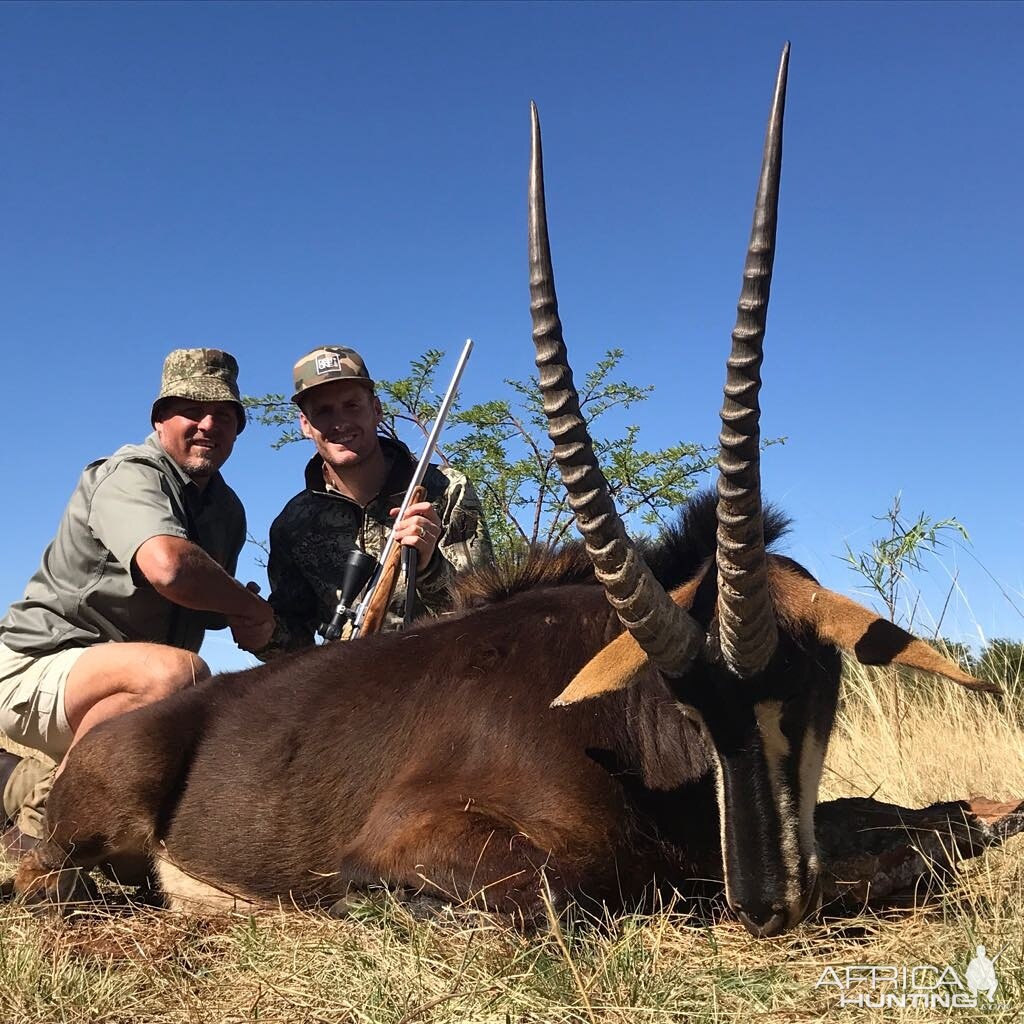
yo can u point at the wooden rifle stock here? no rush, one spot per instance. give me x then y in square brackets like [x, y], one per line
[384, 590]
[370, 614]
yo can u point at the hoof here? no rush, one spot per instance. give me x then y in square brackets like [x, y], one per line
[46, 888]
[343, 908]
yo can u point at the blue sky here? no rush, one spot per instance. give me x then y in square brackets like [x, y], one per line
[267, 178]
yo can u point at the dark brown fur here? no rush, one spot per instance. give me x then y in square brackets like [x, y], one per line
[428, 758]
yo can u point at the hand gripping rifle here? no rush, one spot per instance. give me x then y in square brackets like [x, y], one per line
[368, 615]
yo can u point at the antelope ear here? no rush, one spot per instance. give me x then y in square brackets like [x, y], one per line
[614, 667]
[617, 665]
[852, 627]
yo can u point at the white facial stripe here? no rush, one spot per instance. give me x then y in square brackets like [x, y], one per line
[812, 759]
[720, 797]
[776, 751]
[769, 724]
[695, 716]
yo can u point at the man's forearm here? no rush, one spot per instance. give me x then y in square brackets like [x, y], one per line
[185, 574]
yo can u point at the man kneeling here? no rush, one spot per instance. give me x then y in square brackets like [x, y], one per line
[142, 565]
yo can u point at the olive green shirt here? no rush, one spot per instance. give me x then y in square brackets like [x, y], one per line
[85, 590]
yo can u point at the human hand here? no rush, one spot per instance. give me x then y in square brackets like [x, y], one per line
[420, 529]
[253, 628]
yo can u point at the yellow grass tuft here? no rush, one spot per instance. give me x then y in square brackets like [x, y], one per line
[915, 739]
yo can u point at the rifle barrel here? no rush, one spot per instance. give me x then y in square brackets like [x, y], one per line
[421, 471]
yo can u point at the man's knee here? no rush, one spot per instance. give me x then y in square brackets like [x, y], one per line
[166, 670]
[130, 676]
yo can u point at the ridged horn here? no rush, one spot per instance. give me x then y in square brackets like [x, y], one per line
[747, 628]
[665, 632]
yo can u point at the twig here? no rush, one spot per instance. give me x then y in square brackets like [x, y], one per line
[431, 1003]
[945, 605]
[556, 930]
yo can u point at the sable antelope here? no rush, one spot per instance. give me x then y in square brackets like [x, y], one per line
[432, 759]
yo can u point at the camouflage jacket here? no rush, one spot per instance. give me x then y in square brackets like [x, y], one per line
[316, 530]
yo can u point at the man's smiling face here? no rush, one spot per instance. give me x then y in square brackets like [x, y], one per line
[341, 419]
[199, 436]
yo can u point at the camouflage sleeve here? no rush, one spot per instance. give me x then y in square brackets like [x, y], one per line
[292, 598]
[464, 542]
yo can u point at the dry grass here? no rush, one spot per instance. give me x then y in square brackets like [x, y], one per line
[909, 742]
[917, 739]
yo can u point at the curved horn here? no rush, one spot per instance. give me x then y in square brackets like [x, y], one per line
[747, 627]
[666, 633]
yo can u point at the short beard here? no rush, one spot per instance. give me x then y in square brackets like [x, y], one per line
[199, 467]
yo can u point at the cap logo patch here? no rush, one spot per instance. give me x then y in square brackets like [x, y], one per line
[328, 361]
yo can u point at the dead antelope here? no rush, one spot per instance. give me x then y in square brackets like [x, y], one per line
[694, 704]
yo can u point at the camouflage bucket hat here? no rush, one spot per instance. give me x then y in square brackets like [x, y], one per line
[201, 375]
[323, 365]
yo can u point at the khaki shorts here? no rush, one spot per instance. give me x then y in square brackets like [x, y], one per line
[32, 689]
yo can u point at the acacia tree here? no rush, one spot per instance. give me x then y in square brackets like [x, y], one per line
[503, 446]
[885, 566]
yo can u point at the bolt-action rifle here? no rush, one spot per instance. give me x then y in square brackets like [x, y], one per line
[368, 615]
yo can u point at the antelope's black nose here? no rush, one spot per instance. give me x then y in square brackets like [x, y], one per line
[761, 920]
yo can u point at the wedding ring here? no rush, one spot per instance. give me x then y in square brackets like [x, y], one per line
[423, 532]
